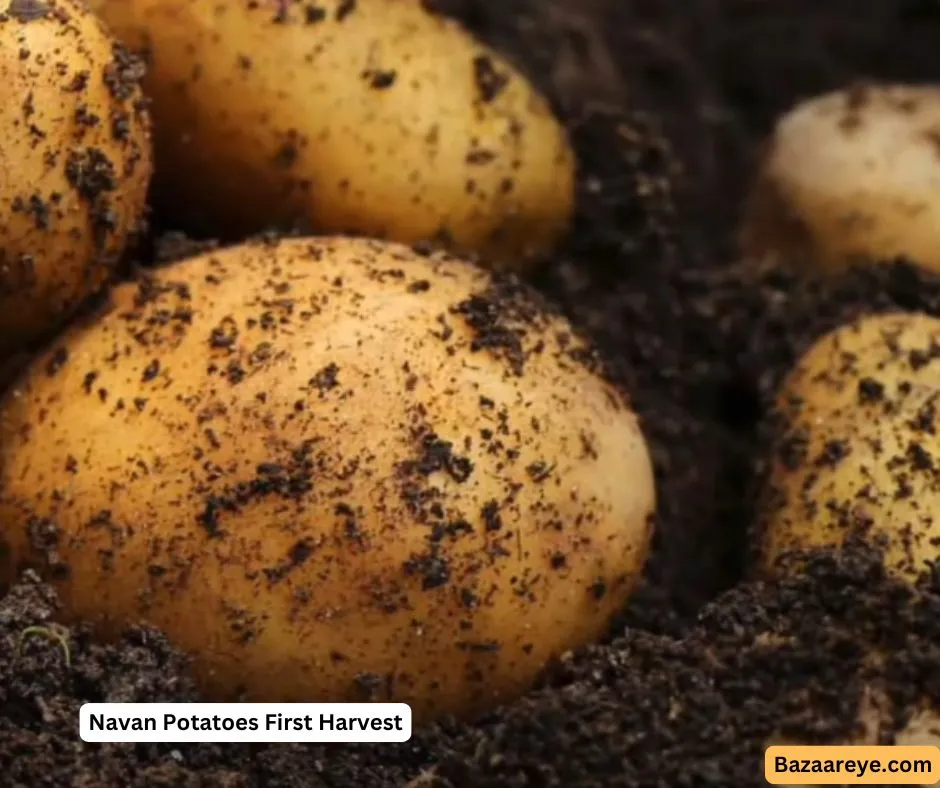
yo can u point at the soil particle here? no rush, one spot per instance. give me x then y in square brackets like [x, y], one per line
[58, 360]
[344, 9]
[436, 455]
[28, 10]
[288, 480]
[326, 379]
[380, 80]
[314, 14]
[124, 73]
[490, 82]
[94, 177]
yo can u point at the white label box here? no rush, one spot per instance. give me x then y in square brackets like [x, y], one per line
[245, 722]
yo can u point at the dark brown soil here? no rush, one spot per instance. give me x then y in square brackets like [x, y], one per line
[667, 101]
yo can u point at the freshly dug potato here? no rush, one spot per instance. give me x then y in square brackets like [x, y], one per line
[75, 162]
[330, 468]
[372, 118]
[851, 177]
[857, 449]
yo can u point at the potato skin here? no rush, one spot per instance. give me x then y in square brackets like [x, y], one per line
[850, 177]
[371, 118]
[331, 466]
[75, 163]
[855, 448]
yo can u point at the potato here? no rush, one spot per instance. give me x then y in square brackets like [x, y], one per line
[377, 118]
[327, 468]
[857, 442]
[75, 162]
[851, 177]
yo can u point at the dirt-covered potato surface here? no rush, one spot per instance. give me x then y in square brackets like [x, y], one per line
[849, 177]
[75, 162]
[331, 470]
[380, 118]
[856, 447]
[667, 105]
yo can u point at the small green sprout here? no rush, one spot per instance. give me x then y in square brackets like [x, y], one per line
[52, 632]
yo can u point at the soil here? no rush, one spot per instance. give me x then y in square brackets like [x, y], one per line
[667, 102]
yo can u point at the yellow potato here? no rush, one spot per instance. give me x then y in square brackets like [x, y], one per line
[857, 444]
[373, 118]
[75, 162]
[330, 466]
[849, 177]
